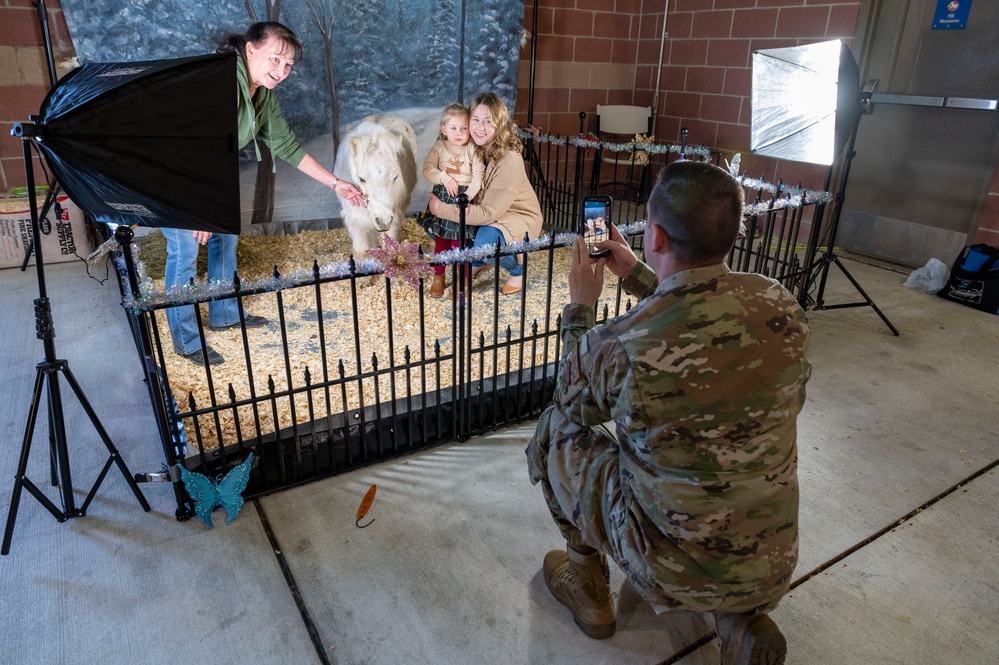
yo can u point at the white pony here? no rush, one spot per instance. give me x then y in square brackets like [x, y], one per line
[378, 154]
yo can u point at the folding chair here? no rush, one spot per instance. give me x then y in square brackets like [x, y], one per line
[620, 124]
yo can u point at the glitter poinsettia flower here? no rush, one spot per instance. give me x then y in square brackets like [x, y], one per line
[401, 260]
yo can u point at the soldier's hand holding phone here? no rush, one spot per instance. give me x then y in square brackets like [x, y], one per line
[594, 223]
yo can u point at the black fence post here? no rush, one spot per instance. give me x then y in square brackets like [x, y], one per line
[580, 165]
[463, 309]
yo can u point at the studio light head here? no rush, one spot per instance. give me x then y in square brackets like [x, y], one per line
[807, 105]
[805, 101]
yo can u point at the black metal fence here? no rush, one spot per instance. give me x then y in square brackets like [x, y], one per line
[342, 405]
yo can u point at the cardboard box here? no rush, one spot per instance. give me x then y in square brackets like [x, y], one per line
[66, 239]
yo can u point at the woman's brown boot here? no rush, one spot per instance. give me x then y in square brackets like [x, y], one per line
[437, 288]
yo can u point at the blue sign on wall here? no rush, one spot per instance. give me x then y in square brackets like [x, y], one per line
[951, 14]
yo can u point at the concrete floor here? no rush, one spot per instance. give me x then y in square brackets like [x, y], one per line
[899, 441]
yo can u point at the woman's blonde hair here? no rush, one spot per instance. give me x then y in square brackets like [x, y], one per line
[452, 111]
[506, 131]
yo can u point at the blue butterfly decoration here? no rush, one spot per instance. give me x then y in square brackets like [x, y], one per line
[210, 493]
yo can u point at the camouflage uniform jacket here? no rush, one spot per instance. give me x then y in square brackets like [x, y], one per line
[703, 379]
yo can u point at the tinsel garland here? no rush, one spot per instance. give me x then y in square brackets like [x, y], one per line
[204, 291]
[150, 298]
[799, 195]
[584, 142]
[564, 239]
[788, 197]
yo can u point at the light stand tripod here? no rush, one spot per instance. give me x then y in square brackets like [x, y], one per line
[819, 268]
[49, 369]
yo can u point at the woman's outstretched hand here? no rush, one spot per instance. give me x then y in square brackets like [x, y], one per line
[344, 188]
[351, 192]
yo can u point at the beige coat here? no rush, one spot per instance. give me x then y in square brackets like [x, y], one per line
[463, 163]
[507, 200]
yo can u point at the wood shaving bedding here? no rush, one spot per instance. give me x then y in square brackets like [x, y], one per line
[258, 256]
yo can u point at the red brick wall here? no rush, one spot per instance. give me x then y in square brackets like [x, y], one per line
[589, 52]
[24, 76]
[706, 74]
[586, 55]
[707, 68]
[593, 52]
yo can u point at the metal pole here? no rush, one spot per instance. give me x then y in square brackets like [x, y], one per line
[821, 269]
[534, 62]
[50, 198]
[43, 18]
[458, 383]
[659, 71]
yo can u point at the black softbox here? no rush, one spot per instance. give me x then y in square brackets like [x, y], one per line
[150, 143]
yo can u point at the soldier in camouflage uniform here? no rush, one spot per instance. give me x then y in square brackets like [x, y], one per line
[694, 495]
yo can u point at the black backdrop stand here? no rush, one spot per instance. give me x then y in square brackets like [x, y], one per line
[170, 434]
[818, 268]
[47, 374]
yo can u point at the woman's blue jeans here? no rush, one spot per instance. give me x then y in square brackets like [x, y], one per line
[181, 267]
[487, 236]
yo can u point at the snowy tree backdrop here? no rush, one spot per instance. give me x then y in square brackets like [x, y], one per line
[410, 57]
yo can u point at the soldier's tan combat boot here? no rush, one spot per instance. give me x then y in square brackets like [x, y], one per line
[581, 582]
[750, 640]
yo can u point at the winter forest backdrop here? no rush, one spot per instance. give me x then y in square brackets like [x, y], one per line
[410, 58]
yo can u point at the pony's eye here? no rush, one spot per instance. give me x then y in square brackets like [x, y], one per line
[395, 178]
[362, 181]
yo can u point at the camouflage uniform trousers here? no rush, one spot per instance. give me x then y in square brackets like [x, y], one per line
[578, 470]
[579, 483]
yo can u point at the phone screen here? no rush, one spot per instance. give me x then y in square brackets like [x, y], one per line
[596, 223]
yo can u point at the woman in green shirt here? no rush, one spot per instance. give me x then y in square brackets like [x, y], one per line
[265, 55]
[267, 52]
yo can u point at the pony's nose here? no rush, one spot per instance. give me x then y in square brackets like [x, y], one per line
[382, 225]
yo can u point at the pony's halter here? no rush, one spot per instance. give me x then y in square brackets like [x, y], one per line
[376, 202]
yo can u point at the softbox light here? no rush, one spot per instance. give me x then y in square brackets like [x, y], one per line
[805, 101]
[152, 143]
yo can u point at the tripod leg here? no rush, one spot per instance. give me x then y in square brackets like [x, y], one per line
[863, 293]
[115, 457]
[59, 430]
[53, 460]
[22, 466]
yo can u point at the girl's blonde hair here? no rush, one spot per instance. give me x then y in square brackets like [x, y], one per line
[451, 111]
[506, 131]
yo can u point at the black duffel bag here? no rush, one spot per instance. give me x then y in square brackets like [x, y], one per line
[974, 279]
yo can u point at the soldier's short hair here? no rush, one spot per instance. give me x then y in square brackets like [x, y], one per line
[699, 206]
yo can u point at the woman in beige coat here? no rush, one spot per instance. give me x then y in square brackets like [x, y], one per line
[506, 208]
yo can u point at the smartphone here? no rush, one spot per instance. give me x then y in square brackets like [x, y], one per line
[595, 222]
